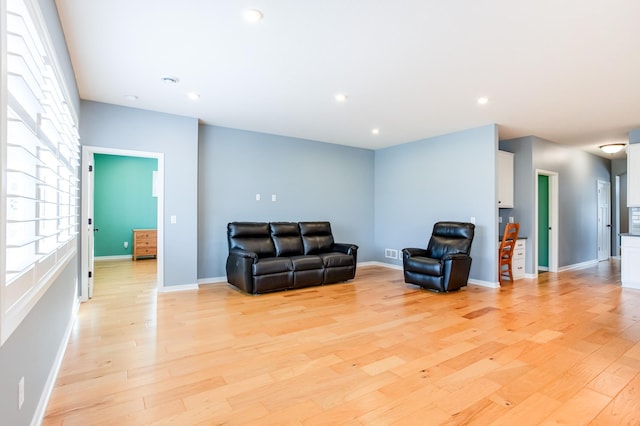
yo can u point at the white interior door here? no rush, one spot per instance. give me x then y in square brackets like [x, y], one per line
[604, 220]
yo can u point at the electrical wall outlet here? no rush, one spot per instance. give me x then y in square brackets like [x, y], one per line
[126, 244]
[510, 219]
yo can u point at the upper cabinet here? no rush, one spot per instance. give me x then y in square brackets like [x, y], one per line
[633, 175]
[505, 179]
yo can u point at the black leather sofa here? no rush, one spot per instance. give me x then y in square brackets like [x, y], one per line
[445, 264]
[265, 257]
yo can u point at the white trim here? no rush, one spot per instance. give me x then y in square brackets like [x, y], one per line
[481, 283]
[383, 264]
[581, 265]
[553, 220]
[212, 280]
[88, 150]
[45, 396]
[110, 258]
[174, 288]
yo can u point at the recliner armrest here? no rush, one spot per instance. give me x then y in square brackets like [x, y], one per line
[412, 251]
[455, 256]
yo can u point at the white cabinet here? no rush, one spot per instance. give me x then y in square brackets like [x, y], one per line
[505, 179]
[517, 262]
[633, 175]
[630, 262]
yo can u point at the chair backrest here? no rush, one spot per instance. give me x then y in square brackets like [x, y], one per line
[508, 240]
[450, 238]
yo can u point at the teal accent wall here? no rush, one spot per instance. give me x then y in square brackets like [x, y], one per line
[543, 220]
[123, 201]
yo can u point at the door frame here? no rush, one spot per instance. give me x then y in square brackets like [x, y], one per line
[553, 220]
[607, 237]
[87, 204]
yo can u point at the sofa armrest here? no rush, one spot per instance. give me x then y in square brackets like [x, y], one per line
[240, 269]
[244, 253]
[345, 248]
[350, 249]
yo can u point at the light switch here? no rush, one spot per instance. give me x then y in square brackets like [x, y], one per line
[510, 219]
[173, 219]
[257, 197]
[273, 197]
[473, 219]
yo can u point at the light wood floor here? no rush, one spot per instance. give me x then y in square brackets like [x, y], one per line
[563, 349]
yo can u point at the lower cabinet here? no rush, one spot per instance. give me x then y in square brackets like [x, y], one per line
[630, 261]
[517, 264]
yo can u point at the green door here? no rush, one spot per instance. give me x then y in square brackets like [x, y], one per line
[543, 221]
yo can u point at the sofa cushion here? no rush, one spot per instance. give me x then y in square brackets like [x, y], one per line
[335, 259]
[286, 238]
[272, 265]
[423, 265]
[316, 237]
[305, 263]
[251, 236]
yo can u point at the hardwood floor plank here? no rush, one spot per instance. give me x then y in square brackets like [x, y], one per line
[561, 348]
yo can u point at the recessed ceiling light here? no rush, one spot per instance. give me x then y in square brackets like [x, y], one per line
[483, 101]
[375, 131]
[193, 96]
[252, 15]
[131, 98]
[169, 79]
[341, 97]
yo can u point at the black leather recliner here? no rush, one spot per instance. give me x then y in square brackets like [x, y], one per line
[445, 264]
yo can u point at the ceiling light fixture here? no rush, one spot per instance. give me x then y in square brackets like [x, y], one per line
[169, 79]
[341, 97]
[252, 15]
[193, 96]
[612, 148]
[483, 100]
[375, 131]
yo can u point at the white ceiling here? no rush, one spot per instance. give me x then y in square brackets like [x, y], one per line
[567, 71]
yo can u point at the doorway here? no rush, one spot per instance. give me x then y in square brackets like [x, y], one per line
[88, 229]
[545, 250]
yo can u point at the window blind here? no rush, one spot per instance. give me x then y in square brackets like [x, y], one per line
[41, 162]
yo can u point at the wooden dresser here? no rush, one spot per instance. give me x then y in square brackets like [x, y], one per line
[145, 243]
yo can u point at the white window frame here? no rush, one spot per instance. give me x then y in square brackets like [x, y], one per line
[22, 291]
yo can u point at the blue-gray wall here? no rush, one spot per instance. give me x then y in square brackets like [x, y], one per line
[450, 177]
[578, 173]
[110, 126]
[311, 181]
[31, 350]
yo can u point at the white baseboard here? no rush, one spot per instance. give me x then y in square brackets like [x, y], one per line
[108, 258]
[212, 280]
[174, 288]
[487, 284]
[383, 264]
[41, 409]
[581, 265]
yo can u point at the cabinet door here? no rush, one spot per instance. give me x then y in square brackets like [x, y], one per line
[633, 175]
[505, 179]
